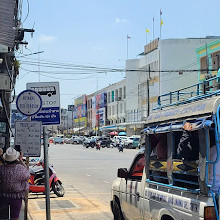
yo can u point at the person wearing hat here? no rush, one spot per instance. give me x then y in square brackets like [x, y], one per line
[13, 181]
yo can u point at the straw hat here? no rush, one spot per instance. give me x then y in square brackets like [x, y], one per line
[11, 154]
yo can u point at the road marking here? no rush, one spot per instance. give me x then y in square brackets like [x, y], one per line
[106, 181]
[88, 175]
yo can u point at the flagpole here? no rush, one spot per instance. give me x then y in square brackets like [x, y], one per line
[153, 28]
[160, 22]
[127, 47]
[146, 37]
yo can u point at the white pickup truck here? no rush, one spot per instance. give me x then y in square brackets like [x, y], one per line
[134, 198]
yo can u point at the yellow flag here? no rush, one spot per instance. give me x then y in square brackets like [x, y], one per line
[147, 30]
[161, 22]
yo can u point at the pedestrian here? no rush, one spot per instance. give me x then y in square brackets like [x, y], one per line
[14, 177]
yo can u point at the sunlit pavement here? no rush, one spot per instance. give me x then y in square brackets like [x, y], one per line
[87, 175]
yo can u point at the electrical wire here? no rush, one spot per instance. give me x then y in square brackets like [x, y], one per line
[28, 9]
[65, 79]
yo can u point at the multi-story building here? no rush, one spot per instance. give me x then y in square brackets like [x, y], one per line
[106, 108]
[164, 66]
[208, 60]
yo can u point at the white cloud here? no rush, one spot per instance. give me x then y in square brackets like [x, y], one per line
[46, 39]
[120, 20]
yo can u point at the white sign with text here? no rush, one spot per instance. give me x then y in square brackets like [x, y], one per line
[28, 136]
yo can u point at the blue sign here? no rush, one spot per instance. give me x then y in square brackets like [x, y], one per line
[48, 116]
[50, 94]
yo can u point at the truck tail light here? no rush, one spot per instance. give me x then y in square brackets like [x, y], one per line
[210, 213]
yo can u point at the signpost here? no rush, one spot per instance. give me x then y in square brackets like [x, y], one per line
[28, 136]
[28, 103]
[48, 115]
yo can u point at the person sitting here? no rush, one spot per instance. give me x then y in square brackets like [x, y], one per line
[188, 148]
[159, 146]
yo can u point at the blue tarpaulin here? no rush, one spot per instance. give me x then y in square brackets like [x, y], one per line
[122, 133]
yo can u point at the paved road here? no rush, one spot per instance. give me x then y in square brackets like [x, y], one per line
[87, 175]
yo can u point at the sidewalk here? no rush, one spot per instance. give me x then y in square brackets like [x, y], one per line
[21, 217]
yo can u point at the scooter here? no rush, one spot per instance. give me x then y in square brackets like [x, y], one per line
[98, 146]
[37, 180]
[120, 147]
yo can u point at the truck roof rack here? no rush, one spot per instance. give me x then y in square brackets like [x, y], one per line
[207, 88]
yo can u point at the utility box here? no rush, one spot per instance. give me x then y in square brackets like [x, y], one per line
[5, 83]
[3, 49]
[2, 142]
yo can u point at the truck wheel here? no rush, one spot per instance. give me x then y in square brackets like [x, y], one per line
[117, 211]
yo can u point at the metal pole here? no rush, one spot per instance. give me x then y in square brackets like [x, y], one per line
[46, 172]
[72, 122]
[26, 196]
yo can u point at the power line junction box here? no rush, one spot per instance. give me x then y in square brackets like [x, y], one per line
[5, 82]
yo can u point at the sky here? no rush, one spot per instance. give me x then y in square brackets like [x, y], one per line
[77, 38]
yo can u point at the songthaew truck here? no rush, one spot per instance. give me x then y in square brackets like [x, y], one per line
[160, 183]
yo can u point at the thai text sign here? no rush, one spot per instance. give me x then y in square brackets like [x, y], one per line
[28, 136]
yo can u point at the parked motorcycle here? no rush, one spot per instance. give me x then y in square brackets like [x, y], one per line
[37, 180]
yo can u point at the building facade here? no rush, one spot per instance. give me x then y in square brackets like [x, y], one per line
[166, 65]
[208, 60]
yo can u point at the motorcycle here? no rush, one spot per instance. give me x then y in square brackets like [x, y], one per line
[120, 147]
[98, 147]
[37, 180]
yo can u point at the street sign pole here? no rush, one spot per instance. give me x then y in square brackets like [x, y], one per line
[26, 194]
[46, 172]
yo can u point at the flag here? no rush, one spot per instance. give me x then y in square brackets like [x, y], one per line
[128, 37]
[147, 30]
[161, 22]
[160, 12]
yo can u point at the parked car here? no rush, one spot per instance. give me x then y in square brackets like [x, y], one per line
[66, 140]
[76, 140]
[104, 141]
[86, 139]
[136, 143]
[58, 140]
[90, 143]
[129, 142]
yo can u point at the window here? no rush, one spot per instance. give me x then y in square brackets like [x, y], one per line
[109, 110]
[113, 96]
[204, 64]
[136, 171]
[116, 95]
[109, 97]
[124, 91]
